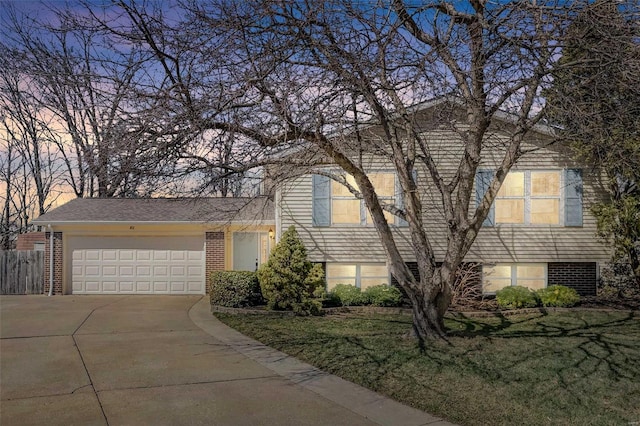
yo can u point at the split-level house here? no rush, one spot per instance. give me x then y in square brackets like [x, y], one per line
[540, 230]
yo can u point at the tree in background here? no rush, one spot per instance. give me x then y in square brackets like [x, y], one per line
[596, 102]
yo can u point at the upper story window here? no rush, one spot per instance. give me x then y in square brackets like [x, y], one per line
[334, 204]
[531, 197]
[347, 209]
[534, 197]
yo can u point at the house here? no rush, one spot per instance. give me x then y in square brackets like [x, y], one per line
[153, 246]
[540, 230]
[30, 241]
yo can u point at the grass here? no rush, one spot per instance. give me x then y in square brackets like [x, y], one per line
[576, 368]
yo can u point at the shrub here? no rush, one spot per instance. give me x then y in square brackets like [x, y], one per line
[516, 297]
[558, 295]
[467, 287]
[288, 279]
[348, 295]
[383, 295]
[234, 289]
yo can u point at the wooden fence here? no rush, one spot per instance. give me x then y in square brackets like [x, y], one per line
[21, 272]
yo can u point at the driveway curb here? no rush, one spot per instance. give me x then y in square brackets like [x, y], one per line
[358, 399]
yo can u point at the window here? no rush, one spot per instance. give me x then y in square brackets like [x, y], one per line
[38, 246]
[360, 275]
[531, 197]
[500, 275]
[347, 209]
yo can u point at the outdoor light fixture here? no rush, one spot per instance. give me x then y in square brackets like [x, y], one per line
[270, 233]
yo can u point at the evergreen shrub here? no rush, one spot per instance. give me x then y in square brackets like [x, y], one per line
[558, 296]
[288, 280]
[383, 295]
[516, 297]
[234, 289]
[348, 295]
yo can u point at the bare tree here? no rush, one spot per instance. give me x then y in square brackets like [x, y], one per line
[88, 88]
[25, 124]
[318, 73]
[344, 79]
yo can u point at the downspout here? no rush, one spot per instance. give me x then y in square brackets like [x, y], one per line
[50, 260]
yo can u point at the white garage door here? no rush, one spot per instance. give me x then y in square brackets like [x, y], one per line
[142, 265]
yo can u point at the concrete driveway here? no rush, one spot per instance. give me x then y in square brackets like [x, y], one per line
[154, 360]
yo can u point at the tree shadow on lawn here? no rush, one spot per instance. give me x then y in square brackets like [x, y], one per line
[572, 367]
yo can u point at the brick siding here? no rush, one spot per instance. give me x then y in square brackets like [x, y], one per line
[57, 262]
[214, 246]
[581, 276]
[27, 241]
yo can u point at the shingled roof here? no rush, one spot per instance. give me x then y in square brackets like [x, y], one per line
[200, 210]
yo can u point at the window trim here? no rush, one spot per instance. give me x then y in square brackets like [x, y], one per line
[514, 273]
[363, 207]
[528, 197]
[358, 276]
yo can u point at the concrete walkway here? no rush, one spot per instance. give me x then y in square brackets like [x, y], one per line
[162, 360]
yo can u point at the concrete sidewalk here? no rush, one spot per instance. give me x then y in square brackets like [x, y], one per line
[137, 360]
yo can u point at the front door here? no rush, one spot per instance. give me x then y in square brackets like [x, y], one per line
[250, 250]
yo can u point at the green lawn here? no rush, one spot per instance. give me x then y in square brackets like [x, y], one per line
[577, 368]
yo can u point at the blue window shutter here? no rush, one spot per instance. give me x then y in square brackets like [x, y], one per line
[573, 197]
[483, 181]
[321, 196]
[400, 199]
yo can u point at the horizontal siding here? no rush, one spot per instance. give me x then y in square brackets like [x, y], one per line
[503, 243]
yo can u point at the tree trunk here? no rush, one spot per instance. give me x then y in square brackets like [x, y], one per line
[430, 304]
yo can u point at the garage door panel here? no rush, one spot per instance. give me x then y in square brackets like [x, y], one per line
[161, 271]
[178, 271]
[143, 287]
[161, 287]
[194, 286]
[109, 271]
[109, 286]
[143, 255]
[92, 255]
[195, 271]
[178, 255]
[92, 286]
[136, 269]
[109, 255]
[195, 255]
[160, 255]
[143, 271]
[125, 271]
[92, 271]
[127, 255]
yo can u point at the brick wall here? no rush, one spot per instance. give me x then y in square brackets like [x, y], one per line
[27, 241]
[214, 247]
[581, 276]
[57, 262]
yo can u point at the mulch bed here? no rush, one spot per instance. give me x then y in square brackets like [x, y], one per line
[480, 307]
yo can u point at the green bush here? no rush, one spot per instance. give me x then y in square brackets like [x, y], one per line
[348, 295]
[558, 295]
[516, 297]
[383, 295]
[234, 289]
[288, 279]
